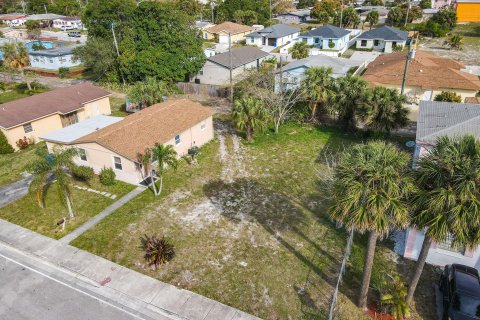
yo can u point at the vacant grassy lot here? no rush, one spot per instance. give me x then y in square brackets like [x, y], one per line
[26, 212]
[251, 229]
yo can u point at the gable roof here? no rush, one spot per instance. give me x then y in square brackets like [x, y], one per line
[62, 100]
[327, 31]
[75, 131]
[437, 119]
[426, 70]
[156, 124]
[240, 57]
[227, 26]
[340, 66]
[275, 31]
[384, 33]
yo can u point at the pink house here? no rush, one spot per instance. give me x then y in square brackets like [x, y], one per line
[439, 119]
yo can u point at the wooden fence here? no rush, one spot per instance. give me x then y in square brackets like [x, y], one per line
[203, 89]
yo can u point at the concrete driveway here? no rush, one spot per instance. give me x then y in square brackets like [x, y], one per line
[14, 191]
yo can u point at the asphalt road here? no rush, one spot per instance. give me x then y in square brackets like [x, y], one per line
[27, 294]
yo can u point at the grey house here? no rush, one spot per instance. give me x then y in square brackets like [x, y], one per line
[216, 69]
[274, 36]
[382, 39]
[299, 16]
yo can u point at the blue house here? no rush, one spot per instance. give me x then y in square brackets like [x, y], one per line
[53, 59]
[327, 38]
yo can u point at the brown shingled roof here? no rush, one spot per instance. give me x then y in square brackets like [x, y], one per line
[426, 70]
[233, 28]
[473, 100]
[62, 100]
[156, 124]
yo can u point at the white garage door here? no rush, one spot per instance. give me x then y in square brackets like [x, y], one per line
[223, 38]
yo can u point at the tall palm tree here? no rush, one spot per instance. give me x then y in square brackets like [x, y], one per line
[447, 203]
[350, 100]
[249, 114]
[317, 87]
[371, 184]
[387, 109]
[48, 168]
[165, 156]
[15, 55]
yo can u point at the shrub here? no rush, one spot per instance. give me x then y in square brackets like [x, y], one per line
[448, 96]
[5, 147]
[107, 176]
[83, 173]
[331, 45]
[24, 143]
[157, 250]
[63, 72]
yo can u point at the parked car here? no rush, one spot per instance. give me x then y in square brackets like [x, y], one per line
[460, 287]
[74, 34]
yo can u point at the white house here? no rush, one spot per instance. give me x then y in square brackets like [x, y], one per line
[443, 119]
[327, 38]
[53, 59]
[13, 19]
[383, 39]
[294, 72]
[67, 23]
[274, 36]
[216, 69]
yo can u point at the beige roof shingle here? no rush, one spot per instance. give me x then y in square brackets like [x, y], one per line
[426, 71]
[229, 27]
[156, 124]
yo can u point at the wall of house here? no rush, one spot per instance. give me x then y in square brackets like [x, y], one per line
[95, 108]
[415, 94]
[258, 41]
[67, 25]
[195, 136]
[436, 255]
[212, 73]
[53, 63]
[322, 43]
[222, 37]
[288, 18]
[383, 46]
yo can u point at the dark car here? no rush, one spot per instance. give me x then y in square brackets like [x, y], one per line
[74, 34]
[460, 286]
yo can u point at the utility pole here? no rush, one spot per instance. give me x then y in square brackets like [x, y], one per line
[410, 55]
[46, 12]
[213, 15]
[406, 16]
[341, 14]
[118, 52]
[270, 12]
[281, 74]
[231, 71]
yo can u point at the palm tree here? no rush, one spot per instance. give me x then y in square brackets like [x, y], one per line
[387, 109]
[447, 203]
[317, 87]
[300, 50]
[48, 168]
[149, 92]
[15, 55]
[249, 114]
[371, 183]
[455, 41]
[396, 299]
[350, 100]
[165, 156]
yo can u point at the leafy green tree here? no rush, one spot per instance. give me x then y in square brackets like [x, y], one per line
[350, 100]
[425, 4]
[15, 55]
[387, 110]
[49, 168]
[5, 147]
[165, 156]
[66, 7]
[247, 17]
[226, 10]
[149, 92]
[283, 6]
[306, 3]
[317, 88]
[37, 6]
[446, 18]
[300, 50]
[395, 17]
[448, 96]
[249, 114]
[371, 185]
[373, 3]
[454, 41]
[372, 18]
[350, 18]
[190, 7]
[324, 11]
[100, 14]
[99, 57]
[446, 204]
[33, 29]
[160, 42]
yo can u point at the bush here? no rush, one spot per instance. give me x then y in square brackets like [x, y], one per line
[158, 250]
[448, 96]
[5, 147]
[331, 45]
[107, 176]
[62, 72]
[24, 143]
[83, 173]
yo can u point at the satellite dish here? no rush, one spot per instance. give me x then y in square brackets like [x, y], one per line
[410, 144]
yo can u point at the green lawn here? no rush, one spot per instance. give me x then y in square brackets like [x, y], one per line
[26, 212]
[470, 33]
[118, 107]
[14, 91]
[12, 165]
[253, 231]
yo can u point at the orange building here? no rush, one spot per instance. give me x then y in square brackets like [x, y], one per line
[468, 10]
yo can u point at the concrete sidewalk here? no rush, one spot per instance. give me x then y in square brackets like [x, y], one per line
[96, 219]
[139, 295]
